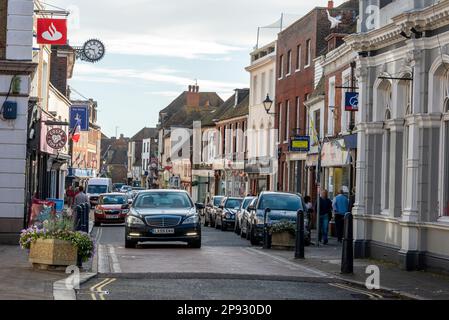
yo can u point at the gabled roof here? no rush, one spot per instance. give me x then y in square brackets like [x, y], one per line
[145, 133]
[241, 109]
[179, 114]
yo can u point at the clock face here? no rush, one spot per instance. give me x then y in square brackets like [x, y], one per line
[94, 50]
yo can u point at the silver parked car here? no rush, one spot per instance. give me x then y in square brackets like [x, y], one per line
[242, 215]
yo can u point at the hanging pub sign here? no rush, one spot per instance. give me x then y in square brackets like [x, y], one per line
[56, 138]
[51, 31]
[352, 101]
[300, 144]
[79, 116]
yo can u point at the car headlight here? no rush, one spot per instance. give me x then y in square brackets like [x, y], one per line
[126, 211]
[191, 220]
[132, 220]
[98, 211]
[260, 220]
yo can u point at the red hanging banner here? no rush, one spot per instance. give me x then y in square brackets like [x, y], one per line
[52, 31]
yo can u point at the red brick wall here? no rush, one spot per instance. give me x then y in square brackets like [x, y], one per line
[313, 26]
[58, 72]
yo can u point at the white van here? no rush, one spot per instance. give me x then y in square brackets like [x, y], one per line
[97, 186]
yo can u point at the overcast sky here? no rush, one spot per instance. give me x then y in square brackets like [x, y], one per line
[155, 49]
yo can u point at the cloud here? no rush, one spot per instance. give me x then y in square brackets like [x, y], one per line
[153, 76]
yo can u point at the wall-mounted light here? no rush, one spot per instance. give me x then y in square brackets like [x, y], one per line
[267, 104]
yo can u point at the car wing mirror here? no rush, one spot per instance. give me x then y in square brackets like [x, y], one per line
[199, 206]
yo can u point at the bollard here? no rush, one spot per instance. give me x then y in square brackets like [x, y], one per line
[82, 213]
[266, 244]
[79, 211]
[299, 248]
[86, 217]
[347, 258]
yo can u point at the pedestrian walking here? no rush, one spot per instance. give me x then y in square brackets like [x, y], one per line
[341, 207]
[325, 211]
[309, 211]
[70, 194]
[80, 197]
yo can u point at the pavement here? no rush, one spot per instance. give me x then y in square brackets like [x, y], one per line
[411, 284]
[19, 281]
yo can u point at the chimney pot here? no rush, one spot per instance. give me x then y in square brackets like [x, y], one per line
[330, 4]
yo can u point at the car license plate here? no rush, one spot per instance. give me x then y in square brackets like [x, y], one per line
[110, 216]
[163, 231]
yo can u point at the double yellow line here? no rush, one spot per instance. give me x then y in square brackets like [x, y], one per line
[371, 295]
[98, 288]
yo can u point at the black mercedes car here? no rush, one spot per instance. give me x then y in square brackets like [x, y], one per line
[163, 215]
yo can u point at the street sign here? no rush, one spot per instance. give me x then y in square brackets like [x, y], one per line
[56, 138]
[79, 113]
[300, 144]
[52, 31]
[352, 101]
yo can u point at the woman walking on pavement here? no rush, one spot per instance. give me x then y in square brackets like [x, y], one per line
[325, 212]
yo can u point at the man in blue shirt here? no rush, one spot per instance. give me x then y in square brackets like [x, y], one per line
[341, 207]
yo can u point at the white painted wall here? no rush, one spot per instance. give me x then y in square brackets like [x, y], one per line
[13, 133]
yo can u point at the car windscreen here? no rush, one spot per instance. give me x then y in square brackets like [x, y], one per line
[246, 203]
[217, 201]
[113, 199]
[97, 189]
[286, 202]
[233, 203]
[163, 200]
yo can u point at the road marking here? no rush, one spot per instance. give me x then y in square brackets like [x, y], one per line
[103, 259]
[92, 289]
[115, 263]
[288, 263]
[372, 295]
[100, 288]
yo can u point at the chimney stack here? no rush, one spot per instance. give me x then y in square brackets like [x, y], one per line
[330, 4]
[193, 96]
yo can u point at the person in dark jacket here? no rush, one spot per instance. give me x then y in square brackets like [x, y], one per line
[324, 212]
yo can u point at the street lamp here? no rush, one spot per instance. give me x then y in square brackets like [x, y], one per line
[267, 104]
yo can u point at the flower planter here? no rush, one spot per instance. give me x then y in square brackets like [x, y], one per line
[53, 252]
[283, 240]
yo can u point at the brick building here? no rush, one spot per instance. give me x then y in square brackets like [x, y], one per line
[297, 47]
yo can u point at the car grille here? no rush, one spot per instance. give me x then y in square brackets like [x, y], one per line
[112, 212]
[163, 221]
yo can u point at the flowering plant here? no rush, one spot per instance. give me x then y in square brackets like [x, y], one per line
[284, 226]
[59, 228]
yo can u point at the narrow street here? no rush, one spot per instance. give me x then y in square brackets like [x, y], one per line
[226, 267]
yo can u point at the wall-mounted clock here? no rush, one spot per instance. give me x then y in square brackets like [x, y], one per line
[94, 50]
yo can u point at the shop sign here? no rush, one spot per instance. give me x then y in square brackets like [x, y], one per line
[352, 101]
[300, 144]
[51, 31]
[333, 155]
[56, 138]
